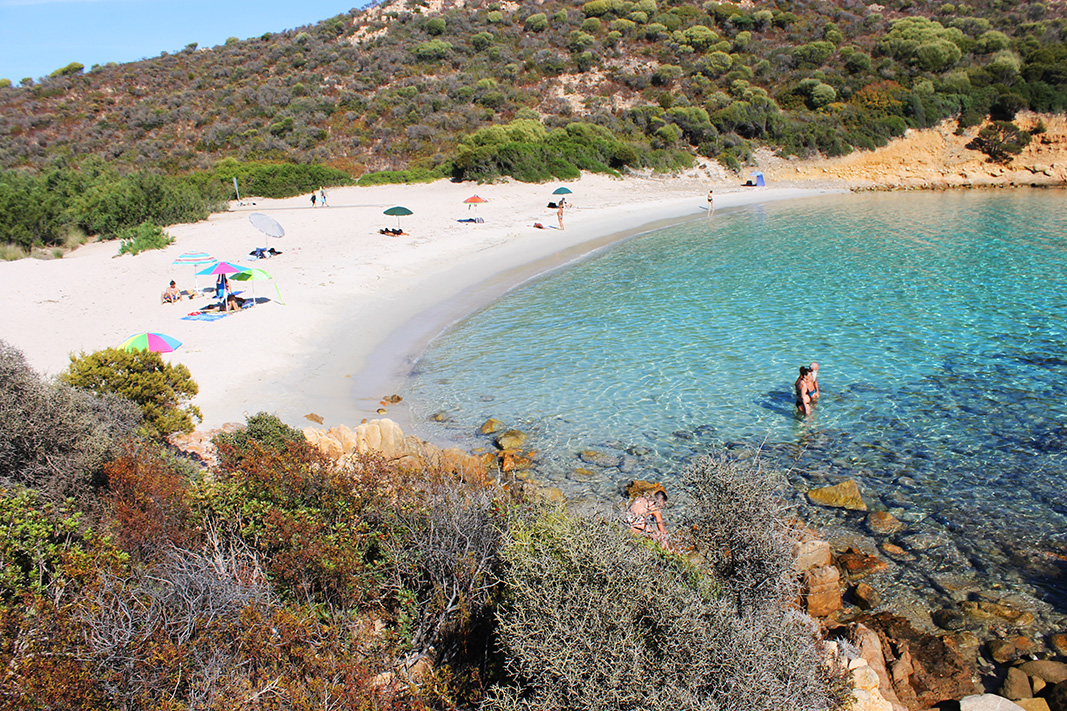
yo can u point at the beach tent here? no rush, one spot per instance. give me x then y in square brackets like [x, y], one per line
[759, 179]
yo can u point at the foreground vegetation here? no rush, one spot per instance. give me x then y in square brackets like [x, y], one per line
[134, 577]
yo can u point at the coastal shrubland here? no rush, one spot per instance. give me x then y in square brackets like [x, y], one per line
[395, 88]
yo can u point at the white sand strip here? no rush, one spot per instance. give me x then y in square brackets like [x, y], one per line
[358, 305]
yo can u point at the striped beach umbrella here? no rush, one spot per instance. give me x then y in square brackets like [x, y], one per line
[155, 342]
[194, 259]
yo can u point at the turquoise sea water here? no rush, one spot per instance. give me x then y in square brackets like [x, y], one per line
[939, 321]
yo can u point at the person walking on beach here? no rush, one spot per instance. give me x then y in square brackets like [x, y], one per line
[711, 203]
[801, 388]
[322, 196]
[313, 198]
[559, 214]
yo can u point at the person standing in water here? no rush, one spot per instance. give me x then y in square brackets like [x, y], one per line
[801, 388]
[813, 389]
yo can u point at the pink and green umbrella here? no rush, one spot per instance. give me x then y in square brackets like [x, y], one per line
[222, 268]
[155, 342]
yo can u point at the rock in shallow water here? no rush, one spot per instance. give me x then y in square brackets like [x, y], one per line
[948, 618]
[600, 459]
[882, 523]
[512, 439]
[845, 495]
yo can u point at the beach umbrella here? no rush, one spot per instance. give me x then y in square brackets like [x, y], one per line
[194, 259]
[222, 268]
[267, 225]
[253, 275]
[561, 191]
[398, 210]
[155, 342]
[474, 200]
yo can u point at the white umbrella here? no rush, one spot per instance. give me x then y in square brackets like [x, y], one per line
[267, 225]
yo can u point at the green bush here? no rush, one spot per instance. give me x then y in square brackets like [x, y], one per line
[433, 50]
[54, 438]
[143, 237]
[596, 8]
[436, 26]
[537, 22]
[412, 175]
[67, 71]
[159, 389]
[482, 40]
[271, 179]
[1000, 141]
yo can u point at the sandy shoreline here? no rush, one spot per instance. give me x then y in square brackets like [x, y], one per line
[357, 305]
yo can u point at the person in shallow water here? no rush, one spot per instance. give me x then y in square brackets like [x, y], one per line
[813, 389]
[645, 515]
[801, 388]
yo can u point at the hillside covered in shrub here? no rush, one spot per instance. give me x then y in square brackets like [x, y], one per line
[400, 85]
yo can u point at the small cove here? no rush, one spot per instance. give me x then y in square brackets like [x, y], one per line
[940, 321]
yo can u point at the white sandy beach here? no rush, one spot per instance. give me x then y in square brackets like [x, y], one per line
[357, 305]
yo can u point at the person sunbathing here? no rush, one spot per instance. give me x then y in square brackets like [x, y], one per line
[171, 294]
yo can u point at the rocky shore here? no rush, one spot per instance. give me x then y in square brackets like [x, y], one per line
[986, 651]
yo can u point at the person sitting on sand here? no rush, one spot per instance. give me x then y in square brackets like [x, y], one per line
[171, 294]
[645, 510]
[801, 388]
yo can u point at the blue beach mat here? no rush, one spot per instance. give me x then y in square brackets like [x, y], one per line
[202, 316]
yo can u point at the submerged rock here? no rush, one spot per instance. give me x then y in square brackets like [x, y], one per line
[865, 596]
[883, 523]
[600, 459]
[512, 439]
[845, 495]
[859, 564]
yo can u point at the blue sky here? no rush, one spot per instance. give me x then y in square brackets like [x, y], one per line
[39, 36]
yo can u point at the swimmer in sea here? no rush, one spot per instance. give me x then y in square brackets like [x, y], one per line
[801, 388]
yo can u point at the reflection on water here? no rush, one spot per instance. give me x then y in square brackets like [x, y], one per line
[940, 323]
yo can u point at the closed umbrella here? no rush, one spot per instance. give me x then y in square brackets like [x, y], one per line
[398, 210]
[155, 342]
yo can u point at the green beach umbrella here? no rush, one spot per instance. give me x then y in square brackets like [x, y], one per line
[561, 191]
[398, 210]
[253, 275]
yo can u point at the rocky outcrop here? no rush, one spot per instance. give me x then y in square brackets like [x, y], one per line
[925, 669]
[385, 438]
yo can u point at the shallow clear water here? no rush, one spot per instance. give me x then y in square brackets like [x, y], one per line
[939, 322]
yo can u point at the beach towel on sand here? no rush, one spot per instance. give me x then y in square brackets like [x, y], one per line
[206, 315]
